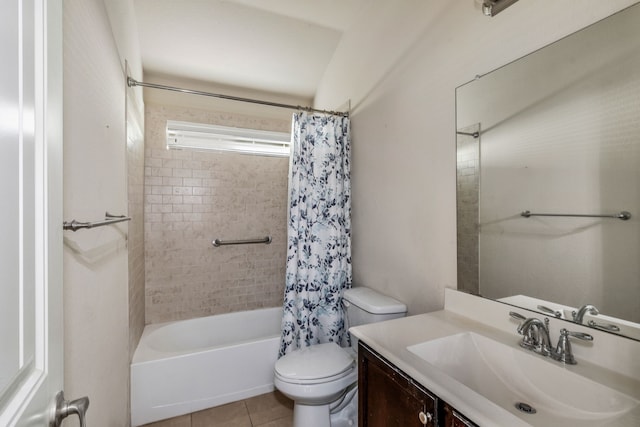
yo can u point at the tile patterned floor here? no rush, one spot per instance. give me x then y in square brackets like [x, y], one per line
[266, 410]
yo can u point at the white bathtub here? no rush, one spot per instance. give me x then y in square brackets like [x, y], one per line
[190, 365]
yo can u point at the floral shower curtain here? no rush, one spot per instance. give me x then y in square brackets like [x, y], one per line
[319, 232]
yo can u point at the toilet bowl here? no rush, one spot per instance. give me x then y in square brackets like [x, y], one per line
[315, 377]
[321, 379]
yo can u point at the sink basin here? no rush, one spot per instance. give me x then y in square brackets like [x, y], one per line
[507, 375]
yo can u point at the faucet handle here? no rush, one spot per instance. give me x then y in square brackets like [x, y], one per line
[579, 335]
[550, 311]
[517, 316]
[563, 352]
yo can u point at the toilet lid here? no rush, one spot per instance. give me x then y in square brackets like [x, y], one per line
[314, 362]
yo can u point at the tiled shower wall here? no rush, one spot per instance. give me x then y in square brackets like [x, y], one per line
[194, 197]
[135, 241]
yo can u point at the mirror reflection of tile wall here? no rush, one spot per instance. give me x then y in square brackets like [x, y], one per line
[468, 185]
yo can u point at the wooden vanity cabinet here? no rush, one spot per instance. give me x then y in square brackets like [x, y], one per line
[387, 397]
[451, 417]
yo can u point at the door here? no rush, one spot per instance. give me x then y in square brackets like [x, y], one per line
[31, 210]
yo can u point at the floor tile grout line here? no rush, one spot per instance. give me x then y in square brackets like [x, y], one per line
[248, 412]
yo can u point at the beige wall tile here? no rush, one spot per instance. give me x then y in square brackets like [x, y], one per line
[135, 238]
[194, 197]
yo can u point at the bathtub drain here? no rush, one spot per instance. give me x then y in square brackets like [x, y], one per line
[527, 409]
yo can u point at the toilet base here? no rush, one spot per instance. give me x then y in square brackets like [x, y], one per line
[344, 412]
[311, 416]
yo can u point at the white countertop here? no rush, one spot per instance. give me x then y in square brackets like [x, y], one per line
[391, 339]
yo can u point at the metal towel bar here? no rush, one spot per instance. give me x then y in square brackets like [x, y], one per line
[623, 215]
[74, 225]
[218, 242]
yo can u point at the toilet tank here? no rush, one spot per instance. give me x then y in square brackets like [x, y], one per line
[365, 305]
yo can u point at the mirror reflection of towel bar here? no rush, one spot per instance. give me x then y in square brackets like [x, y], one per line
[218, 242]
[74, 225]
[623, 215]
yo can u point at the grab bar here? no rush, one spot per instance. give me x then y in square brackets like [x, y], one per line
[623, 215]
[74, 225]
[218, 242]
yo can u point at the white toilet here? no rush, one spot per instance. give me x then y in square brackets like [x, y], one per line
[322, 379]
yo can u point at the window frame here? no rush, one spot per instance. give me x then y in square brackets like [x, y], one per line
[206, 137]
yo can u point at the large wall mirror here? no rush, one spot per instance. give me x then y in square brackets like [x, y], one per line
[549, 179]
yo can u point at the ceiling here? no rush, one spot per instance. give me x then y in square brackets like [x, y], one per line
[280, 46]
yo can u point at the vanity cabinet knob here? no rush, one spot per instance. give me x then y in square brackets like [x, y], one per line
[425, 418]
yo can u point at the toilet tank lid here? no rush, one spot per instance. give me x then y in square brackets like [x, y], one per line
[373, 302]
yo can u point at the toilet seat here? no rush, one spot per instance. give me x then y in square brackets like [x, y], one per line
[320, 363]
[314, 381]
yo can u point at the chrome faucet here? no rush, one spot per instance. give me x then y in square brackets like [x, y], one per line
[535, 337]
[587, 308]
[537, 333]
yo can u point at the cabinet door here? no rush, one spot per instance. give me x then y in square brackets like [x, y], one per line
[388, 397]
[453, 418]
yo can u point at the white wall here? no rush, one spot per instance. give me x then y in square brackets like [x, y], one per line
[95, 261]
[400, 68]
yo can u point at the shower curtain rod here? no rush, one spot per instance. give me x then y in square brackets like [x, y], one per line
[131, 83]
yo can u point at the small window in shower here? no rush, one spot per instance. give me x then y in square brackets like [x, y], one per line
[197, 136]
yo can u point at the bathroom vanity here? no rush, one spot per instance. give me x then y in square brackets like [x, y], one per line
[463, 366]
[389, 397]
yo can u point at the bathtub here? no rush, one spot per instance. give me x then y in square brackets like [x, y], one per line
[189, 365]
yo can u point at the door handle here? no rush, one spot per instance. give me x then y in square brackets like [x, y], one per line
[63, 408]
